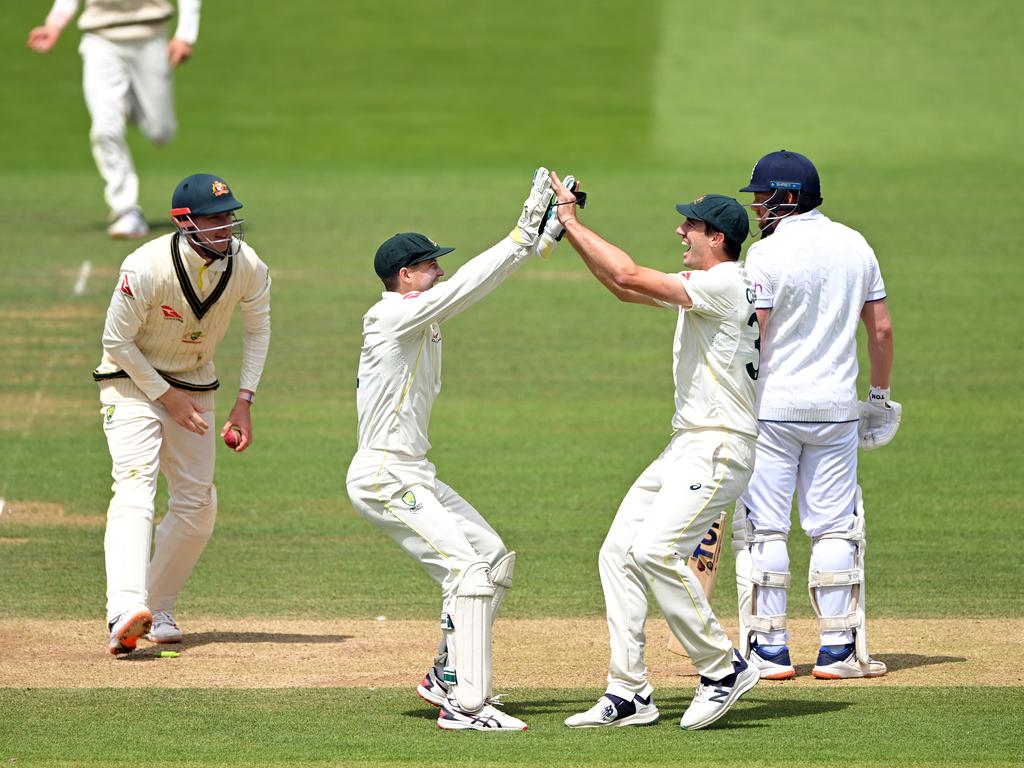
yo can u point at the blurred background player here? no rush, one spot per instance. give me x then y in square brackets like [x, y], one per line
[700, 473]
[171, 306]
[815, 280]
[393, 484]
[127, 64]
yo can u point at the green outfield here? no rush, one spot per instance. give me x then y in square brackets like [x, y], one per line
[339, 124]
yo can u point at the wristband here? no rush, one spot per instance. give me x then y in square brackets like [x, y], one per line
[249, 397]
[878, 395]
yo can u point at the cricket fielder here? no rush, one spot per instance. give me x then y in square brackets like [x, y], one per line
[170, 308]
[127, 64]
[393, 484]
[815, 281]
[700, 473]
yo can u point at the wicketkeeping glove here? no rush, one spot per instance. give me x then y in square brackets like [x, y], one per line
[527, 230]
[551, 228]
[879, 419]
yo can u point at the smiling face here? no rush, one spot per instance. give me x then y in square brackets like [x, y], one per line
[700, 245]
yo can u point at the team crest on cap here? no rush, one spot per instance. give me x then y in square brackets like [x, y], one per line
[699, 200]
[219, 188]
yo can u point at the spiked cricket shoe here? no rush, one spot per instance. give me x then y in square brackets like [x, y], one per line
[839, 662]
[433, 689]
[715, 697]
[614, 711]
[487, 718]
[164, 629]
[127, 628]
[772, 666]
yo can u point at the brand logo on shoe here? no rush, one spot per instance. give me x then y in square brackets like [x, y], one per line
[608, 713]
[720, 695]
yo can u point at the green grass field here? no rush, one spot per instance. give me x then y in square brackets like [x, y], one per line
[339, 124]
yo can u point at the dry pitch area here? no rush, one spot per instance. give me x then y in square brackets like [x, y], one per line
[569, 653]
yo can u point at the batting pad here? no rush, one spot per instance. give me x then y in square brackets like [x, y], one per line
[473, 605]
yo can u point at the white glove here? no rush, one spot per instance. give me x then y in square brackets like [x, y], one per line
[527, 230]
[879, 419]
[550, 235]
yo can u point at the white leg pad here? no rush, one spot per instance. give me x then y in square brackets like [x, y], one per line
[501, 577]
[854, 619]
[472, 637]
[750, 579]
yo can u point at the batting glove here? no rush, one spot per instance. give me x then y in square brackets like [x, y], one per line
[527, 230]
[879, 419]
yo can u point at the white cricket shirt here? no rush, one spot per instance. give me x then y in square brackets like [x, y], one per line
[169, 311]
[715, 352]
[400, 362]
[814, 275]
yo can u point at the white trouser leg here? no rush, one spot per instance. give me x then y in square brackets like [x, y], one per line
[827, 488]
[106, 83]
[134, 436]
[404, 498]
[187, 461]
[152, 90]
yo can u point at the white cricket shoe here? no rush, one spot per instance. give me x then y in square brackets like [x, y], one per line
[487, 718]
[840, 663]
[772, 666]
[127, 628]
[433, 689]
[614, 711]
[164, 629]
[714, 698]
[128, 226]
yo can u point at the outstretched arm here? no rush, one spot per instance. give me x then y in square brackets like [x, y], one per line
[626, 279]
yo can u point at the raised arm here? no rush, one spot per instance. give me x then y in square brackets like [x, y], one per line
[612, 266]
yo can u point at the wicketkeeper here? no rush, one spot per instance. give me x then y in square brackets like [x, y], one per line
[393, 484]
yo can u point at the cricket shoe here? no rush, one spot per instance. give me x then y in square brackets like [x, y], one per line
[772, 666]
[433, 689]
[127, 628]
[487, 718]
[614, 711]
[128, 225]
[715, 697]
[839, 662]
[164, 629]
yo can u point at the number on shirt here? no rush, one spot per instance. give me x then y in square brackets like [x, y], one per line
[751, 367]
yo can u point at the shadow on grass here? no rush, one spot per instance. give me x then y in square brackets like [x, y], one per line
[897, 662]
[197, 639]
[752, 712]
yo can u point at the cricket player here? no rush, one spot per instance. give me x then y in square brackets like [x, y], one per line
[127, 76]
[702, 470]
[171, 306]
[815, 281]
[393, 484]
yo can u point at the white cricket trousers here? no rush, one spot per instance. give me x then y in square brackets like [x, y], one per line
[658, 525]
[818, 462]
[429, 520]
[128, 81]
[144, 441]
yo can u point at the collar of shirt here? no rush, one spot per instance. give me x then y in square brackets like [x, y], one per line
[197, 262]
[814, 215]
